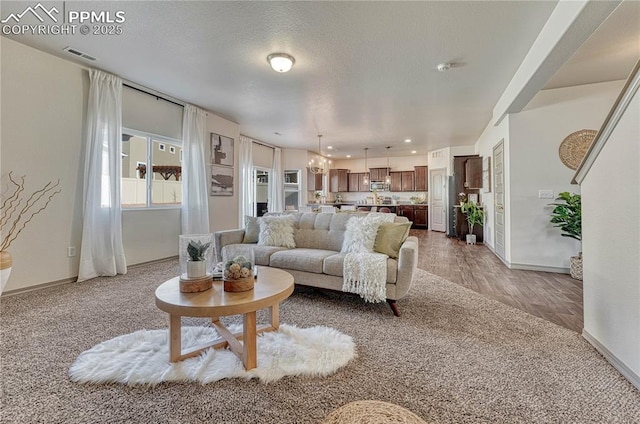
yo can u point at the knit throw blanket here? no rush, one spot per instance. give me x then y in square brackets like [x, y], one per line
[366, 274]
[364, 271]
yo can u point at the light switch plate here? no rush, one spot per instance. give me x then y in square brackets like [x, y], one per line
[545, 194]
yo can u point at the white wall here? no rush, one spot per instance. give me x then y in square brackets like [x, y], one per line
[43, 110]
[611, 246]
[535, 136]
[43, 107]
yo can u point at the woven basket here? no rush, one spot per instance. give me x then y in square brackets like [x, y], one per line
[576, 267]
[240, 285]
[372, 412]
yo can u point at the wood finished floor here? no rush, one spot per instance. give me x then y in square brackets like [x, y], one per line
[554, 297]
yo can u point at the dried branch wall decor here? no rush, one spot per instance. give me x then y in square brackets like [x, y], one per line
[18, 208]
[575, 146]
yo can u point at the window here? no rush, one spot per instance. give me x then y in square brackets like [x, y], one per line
[151, 175]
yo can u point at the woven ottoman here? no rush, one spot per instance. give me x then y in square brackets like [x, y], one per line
[372, 412]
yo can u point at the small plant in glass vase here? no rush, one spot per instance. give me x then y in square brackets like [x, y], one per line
[197, 263]
[474, 215]
[568, 217]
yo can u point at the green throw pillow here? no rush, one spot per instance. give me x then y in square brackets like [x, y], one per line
[390, 238]
[251, 229]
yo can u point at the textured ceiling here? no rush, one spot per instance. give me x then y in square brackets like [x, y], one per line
[365, 72]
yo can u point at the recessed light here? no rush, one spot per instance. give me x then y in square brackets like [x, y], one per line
[444, 67]
[348, 156]
[329, 147]
[408, 140]
[413, 152]
[329, 155]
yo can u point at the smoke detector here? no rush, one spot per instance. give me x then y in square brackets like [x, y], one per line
[444, 67]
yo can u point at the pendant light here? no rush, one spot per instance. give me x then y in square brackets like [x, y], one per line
[387, 179]
[366, 169]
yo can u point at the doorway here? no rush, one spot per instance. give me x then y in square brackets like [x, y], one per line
[498, 198]
[260, 191]
[438, 200]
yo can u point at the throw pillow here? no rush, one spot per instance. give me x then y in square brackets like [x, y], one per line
[353, 235]
[390, 238]
[251, 229]
[277, 231]
[360, 234]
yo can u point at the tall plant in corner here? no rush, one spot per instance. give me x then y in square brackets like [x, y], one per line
[568, 217]
[475, 215]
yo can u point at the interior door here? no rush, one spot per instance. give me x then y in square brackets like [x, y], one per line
[498, 196]
[438, 201]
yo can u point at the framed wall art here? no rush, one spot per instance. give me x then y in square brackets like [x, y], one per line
[221, 180]
[221, 150]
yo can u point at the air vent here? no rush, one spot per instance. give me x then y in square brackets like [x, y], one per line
[78, 53]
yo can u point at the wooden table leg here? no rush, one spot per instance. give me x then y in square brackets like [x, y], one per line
[249, 341]
[175, 338]
[275, 316]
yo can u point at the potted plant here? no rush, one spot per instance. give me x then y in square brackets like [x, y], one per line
[475, 215]
[568, 217]
[196, 263]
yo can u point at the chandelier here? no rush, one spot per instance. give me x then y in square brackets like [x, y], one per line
[320, 165]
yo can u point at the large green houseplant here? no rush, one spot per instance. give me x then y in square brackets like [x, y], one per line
[567, 216]
[475, 216]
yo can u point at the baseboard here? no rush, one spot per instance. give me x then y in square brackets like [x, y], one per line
[613, 360]
[527, 267]
[74, 279]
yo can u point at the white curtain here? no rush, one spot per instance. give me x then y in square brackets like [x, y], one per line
[102, 251]
[195, 195]
[276, 184]
[246, 178]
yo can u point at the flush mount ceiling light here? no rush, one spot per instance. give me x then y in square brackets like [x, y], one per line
[281, 62]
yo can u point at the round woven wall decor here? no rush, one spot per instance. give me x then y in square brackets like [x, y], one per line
[575, 146]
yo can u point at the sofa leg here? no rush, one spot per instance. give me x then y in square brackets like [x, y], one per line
[394, 307]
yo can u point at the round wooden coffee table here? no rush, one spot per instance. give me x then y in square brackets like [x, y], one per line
[272, 286]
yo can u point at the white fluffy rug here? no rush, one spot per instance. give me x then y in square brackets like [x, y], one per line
[143, 357]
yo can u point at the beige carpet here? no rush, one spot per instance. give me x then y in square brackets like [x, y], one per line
[452, 357]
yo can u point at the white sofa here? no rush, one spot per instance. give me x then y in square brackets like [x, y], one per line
[317, 261]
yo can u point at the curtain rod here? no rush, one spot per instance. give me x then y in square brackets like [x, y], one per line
[157, 96]
[262, 143]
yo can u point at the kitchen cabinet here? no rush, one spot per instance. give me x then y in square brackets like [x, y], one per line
[338, 180]
[422, 178]
[473, 173]
[406, 211]
[354, 182]
[408, 181]
[314, 181]
[396, 181]
[378, 174]
[421, 216]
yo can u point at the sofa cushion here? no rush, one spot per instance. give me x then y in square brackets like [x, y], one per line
[310, 260]
[251, 229]
[321, 230]
[333, 265]
[390, 237]
[277, 231]
[261, 253]
[360, 234]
